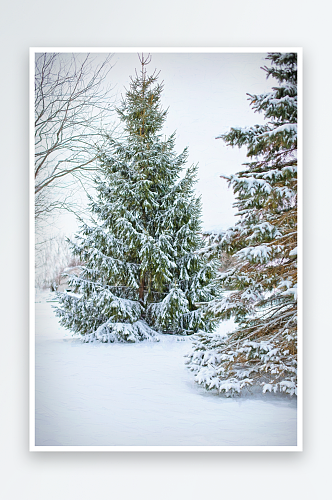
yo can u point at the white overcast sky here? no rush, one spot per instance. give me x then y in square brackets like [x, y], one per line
[206, 95]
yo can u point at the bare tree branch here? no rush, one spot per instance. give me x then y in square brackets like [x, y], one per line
[72, 110]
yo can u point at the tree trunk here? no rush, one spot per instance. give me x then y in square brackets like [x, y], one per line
[141, 289]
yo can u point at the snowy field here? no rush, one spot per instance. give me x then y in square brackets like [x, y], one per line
[141, 395]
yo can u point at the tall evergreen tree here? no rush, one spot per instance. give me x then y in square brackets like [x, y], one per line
[262, 285]
[142, 272]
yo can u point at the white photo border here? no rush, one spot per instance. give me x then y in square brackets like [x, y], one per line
[32, 447]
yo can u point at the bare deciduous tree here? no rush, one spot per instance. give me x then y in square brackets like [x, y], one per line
[72, 102]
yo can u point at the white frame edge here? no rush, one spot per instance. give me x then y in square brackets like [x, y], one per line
[32, 446]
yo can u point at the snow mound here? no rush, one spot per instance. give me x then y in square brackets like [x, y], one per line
[123, 332]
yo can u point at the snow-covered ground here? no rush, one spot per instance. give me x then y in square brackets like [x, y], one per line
[141, 395]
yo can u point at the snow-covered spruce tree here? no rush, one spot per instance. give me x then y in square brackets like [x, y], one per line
[142, 273]
[262, 285]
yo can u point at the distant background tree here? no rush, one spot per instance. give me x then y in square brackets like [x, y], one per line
[53, 257]
[72, 103]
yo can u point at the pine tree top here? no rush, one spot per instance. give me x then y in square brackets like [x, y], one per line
[280, 112]
[140, 109]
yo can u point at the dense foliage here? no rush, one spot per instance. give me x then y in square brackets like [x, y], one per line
[142, 271]
[260, 290]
